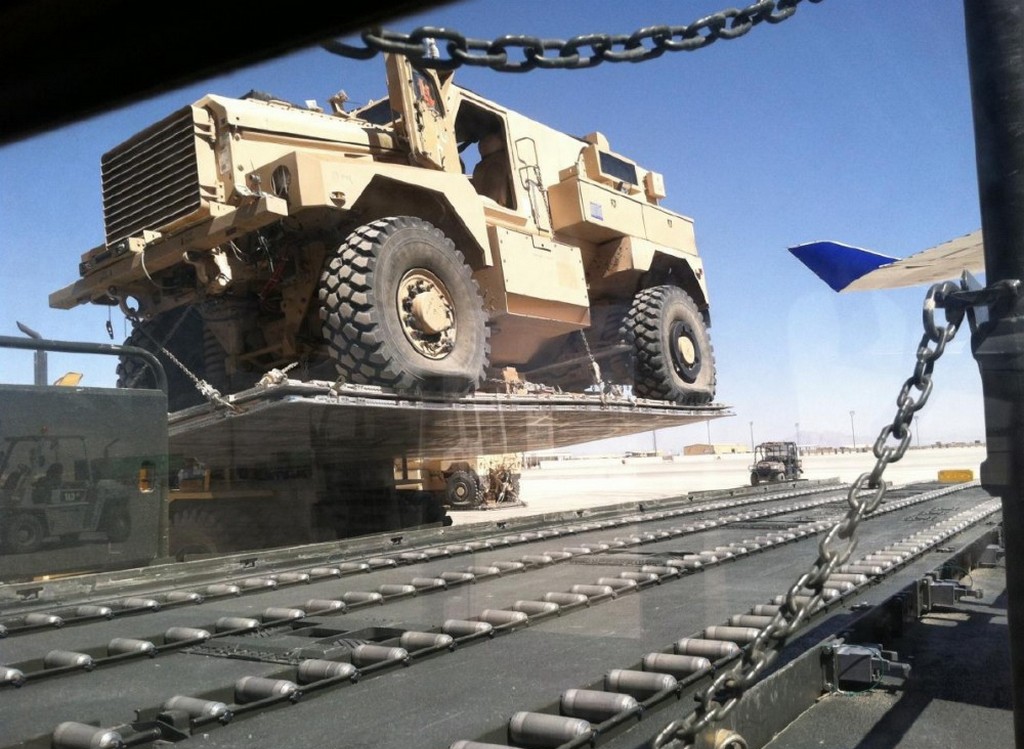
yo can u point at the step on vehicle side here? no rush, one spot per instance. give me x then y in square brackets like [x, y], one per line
[421, 243]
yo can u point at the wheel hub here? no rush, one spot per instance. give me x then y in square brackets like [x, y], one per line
[430, 312]
[427, 313]
[686, 350]
[686, 360]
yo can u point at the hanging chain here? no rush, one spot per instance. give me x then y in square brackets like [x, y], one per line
[716, 701]
[595, 368]
[428, 45]
[208, 391]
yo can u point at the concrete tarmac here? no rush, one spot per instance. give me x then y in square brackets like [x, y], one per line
[595, 482]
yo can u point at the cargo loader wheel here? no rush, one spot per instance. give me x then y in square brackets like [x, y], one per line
[672, 355]
[23, 533]
[196, 531]
[117, 522]
[400, 308]
[464, 489]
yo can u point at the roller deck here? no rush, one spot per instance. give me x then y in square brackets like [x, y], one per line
[486, 651]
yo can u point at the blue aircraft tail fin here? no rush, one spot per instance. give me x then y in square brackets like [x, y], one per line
[838, 264]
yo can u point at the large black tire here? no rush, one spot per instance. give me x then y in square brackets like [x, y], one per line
[23, 533]
[672, 355]
[400, 308]
[464, 489]
[215, 363]
[181, 333]
[210, 531]
[514, 494]
[605, 331]
[214, 368]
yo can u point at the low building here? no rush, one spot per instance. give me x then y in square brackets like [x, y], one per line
[720, 448]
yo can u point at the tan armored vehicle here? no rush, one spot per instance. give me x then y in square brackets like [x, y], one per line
[464, 483]
[422, 243]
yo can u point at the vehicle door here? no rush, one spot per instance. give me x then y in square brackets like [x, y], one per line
[420, 103]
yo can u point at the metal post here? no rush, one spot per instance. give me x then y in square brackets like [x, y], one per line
[40, 375]
[81, 347]
[798, 434]
[995, 55]
[751, 436]
[853, 433]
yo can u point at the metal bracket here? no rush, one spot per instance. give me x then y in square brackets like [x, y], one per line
[944, 593]
[992, 555]
[859, 667]
[976, 299]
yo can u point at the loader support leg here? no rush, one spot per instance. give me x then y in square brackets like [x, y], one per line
[995, 49]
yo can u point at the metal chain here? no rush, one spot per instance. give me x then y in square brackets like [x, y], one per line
[517, 53]
[716, 701]
[159, 344]
[208, 391]
[595, 368]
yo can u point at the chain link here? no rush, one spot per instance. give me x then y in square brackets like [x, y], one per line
[516, 53]
[865, 495]
[208, 391]
[595, 368]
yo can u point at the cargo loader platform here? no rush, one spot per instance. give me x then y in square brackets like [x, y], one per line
[362, 422]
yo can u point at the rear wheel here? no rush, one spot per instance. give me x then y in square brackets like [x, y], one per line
[400, 308]
[116, 522]
[24, 533]
[780, 476]
[672, 354]
[512, 489]
[181, 333]
[464, 490]
[603, 335]
[210, 531]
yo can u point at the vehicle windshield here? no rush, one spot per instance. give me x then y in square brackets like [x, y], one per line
[554, 409]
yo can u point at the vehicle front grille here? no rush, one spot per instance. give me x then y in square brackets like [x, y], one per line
[152, 179]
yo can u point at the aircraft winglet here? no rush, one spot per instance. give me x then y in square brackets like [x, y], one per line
[837, 264]
[847, 268]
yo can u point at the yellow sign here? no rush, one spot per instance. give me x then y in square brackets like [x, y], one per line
[956, 476]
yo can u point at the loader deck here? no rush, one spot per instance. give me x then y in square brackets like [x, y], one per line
[360, 422]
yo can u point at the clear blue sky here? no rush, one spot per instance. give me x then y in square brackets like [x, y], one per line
[851, 121]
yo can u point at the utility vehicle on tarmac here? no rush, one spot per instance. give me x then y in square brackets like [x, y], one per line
[776, 461]
[41, 498]
[423, 243]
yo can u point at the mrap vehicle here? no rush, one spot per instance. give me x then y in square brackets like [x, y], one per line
[422, 243]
